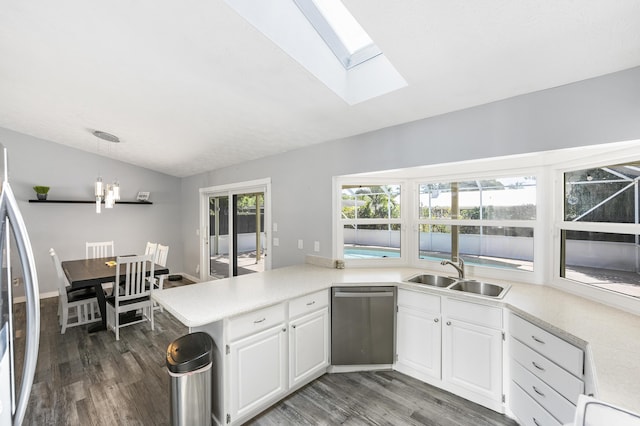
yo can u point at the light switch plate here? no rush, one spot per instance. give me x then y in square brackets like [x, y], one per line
[300, 244]
[276, 241]
[316, 246]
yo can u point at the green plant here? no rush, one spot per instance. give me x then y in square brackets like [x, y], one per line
[41, 189]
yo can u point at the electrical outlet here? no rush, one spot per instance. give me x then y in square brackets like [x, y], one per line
[16, 282]
[300, 244]
[316, 246]
[198, 268]
[275, 227]
[276, 242]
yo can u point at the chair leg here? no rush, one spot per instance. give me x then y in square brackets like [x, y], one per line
[64, 319]
[117, 323]
[152, 320]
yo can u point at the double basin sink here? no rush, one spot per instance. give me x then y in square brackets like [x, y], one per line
[461, 284]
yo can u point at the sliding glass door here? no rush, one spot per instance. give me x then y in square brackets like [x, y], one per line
[235, 226]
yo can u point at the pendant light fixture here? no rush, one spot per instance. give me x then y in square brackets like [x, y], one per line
[111, 191]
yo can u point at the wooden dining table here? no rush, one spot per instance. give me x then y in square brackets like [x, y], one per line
[94, 273]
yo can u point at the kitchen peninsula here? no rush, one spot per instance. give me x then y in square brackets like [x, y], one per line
[605, 334]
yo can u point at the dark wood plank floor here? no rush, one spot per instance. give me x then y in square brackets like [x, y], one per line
[90, 379]
[376, 398]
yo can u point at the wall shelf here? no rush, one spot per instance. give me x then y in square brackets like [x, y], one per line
[88, 202]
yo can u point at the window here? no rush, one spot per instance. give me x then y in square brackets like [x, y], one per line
[339, 29]
[600, 235]
[371, 222]
[487, 222]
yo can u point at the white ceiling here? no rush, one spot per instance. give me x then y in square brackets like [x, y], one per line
[189, 86]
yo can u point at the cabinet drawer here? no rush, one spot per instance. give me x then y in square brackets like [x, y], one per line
[529, 412]
[557, 350]
[564, 383]
[548, 398]
[254, 321]
[309, 303]
[418, 300]
[474, 313]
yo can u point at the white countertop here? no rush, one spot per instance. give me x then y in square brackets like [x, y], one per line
[612, 335]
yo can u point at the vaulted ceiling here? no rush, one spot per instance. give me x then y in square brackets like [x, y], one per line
[190, 86]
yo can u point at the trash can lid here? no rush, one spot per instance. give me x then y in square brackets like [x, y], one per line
[189, 352]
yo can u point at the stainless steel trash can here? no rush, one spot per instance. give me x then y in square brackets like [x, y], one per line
[189, 361]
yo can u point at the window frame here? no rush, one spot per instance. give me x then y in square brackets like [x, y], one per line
[602, 295]
[339, 222]
[480, 174]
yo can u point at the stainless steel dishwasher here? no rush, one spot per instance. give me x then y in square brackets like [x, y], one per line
[362, 325]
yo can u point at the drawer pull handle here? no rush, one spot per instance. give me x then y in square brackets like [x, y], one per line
[535, 421]
[537, 391]
[259, 321]
[535, 339]
[537, 366]
[311, 303]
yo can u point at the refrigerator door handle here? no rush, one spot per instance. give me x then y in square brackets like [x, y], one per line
[9, 208]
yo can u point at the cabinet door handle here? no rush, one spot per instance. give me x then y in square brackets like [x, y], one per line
[284, 329]
[259, 321]
[448, 322]
[535, 421]
[436, 320]
[537, 366]
[311, 303]
[535, 339]
[535, 389]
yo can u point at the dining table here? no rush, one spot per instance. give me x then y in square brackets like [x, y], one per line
[83, 273]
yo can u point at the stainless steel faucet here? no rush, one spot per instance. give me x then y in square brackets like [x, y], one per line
[459, 267]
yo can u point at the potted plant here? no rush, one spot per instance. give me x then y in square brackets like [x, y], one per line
[41, 191]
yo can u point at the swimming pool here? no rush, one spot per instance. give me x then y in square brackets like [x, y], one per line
[370, 253]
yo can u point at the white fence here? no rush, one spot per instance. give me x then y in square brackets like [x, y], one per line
[246, 243]
[595, 254]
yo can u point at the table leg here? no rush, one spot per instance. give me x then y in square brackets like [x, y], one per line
[102, 304]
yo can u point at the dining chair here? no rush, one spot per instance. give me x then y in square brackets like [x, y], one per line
[133, 293]
[151, 248]
[82, 303]
[95, 250]
[160, 259]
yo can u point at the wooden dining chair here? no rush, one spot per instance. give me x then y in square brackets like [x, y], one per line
[75, 307]
[133, 293]
[94, 250]
[161, 259]
[151, 248]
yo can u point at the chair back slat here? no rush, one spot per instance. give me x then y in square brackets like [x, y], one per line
[94, 250]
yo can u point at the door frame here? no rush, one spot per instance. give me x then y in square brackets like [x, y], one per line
[248, 187]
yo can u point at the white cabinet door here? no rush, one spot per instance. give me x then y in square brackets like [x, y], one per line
[257, 370]
[308, 346]
[472, 360]
[418, 343]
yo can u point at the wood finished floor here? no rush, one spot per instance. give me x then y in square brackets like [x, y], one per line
[90, 379]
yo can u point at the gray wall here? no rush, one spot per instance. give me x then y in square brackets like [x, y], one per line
[600, 110]
[66, 227]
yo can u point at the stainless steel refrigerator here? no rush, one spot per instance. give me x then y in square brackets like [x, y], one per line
[15, 396]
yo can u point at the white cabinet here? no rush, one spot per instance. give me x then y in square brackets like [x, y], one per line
[418, 336]
[546, 375]
[268, 353]
[308, 346]
[472, 352]
[256, 360]
[452, 344]
[257, 370]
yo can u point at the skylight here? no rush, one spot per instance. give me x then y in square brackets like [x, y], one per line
[325, 38]
[339, 29]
